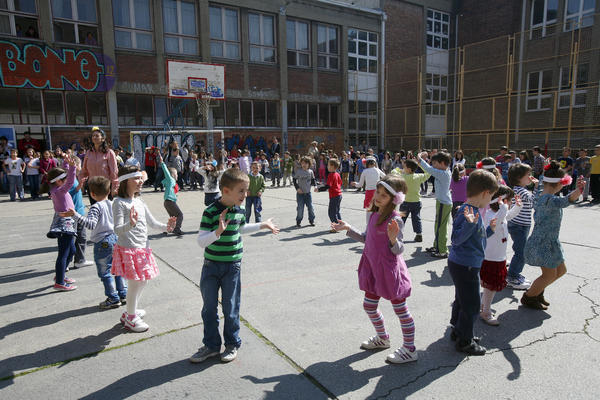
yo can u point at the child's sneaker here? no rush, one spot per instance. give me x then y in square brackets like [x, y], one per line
[439, 255]
[135, 324]
[402, 355]
[519, 283]
[203, 353]
[375, 342]
[489, 318]
[110, 303]
[139, 312]
[229, 354]
[64, 288]
[67, 280]
[418, 237]
[431, 250]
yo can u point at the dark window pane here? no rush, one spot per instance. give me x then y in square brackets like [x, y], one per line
[352, 123]
[232, 112]
[362, 107]
[372, 37]
[246, 112]
[334, 120]
[76, 108]
[144, 114]
[322, 62]
[362, 35]
[373, 66]
[547, 80]
[362, 64]
[9, 108]
[291, 111]
[351, 46]
[362, 124]
[362, 48]
[323, 115]
[352, 64]
[64, 32]
[55, 110]
[333, 62]
[259, 113]
[273, 113]
[219, 113]
[88, 35]
[312, 114]
[302, 116]
[126, 109]
[160, 110]
[291, 58]
[96, 103]
[31, 106]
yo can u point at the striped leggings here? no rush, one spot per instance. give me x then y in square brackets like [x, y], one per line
[371, 303]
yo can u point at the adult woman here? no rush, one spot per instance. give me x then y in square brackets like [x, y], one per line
[100, 161]
[386, 163]
[459, 158]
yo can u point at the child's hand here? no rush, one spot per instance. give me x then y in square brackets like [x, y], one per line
[298, 191]
[160, 159]
[270, 225]
[534, 181]
[222, 223]
[470, 216]
[340, 225]
[171, 224]
[581, 184]
[353, 184]
[518, 201]
[68, 213]
[133, 216]
[493, 224]
[70, 161]
[392, 230]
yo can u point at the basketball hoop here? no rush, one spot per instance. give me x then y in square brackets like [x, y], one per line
[203, 103]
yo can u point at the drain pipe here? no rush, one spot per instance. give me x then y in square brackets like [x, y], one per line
[382, 85]
[519, 75]
[455, 80]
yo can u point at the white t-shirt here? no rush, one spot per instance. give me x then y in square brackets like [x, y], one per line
[35, 162]
[14, 166]
[495, 249]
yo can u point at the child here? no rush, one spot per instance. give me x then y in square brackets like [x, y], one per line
[288, 168]
[79, 260]
[581, 167]
[194, 167]
[412, 204]
[275, 170]
[566, 163]
[489, 164]
[244, 162]
[264, 165]
[169, 182]
[443, 202]
[543, 248]
[345, 170]
[14, 168]
[256, 188]
[211, 183]
[33, 173]
[493, 268]
[466, 255]
[100, 221]
[132, 256]
[62, 228]
[322, 168]
[47, 163]
[369, 178]
[334, 184]
[382, 271]
[518, 228]
[304, 178]
[458, 187]
[175, 161]
[595, 175]
[222, 225]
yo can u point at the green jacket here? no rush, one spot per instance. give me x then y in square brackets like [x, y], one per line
[413, 182]
[288, 165]
[257, 184]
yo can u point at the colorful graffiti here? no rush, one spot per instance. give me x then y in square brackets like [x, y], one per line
[41, 67]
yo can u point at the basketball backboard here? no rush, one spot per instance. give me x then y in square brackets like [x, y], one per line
[186, 79]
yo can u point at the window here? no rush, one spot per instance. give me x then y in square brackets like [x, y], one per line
[96, 108]
[313, 115]
[224, 33]
[539, 87]
[362, 51]
[543, 18]
[438, 29]
[76, 114]
[579, 14]
[261, 36]
[9, 108]
[436, 94]
[259, 113]
[298, 48]
[30, 103]
[19, 18]
[55, 108]
[75, 21]
[272, 113]
[247, 113]
[146, 110]
[133, 24]
[582, 81]
[365, 120]
[179, 19]
[160, 110]
[327, 47]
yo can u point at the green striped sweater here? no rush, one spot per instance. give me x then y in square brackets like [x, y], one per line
[229, 247]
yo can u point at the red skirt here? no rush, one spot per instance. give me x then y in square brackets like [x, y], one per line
[493, 275]
[368, 197]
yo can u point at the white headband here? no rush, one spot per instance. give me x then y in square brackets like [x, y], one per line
[61, 176]
[130, 175]
[488, 166]
[499, 199]
[398, 196]
[552, 180]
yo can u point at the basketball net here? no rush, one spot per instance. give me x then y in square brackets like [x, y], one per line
[203, 103]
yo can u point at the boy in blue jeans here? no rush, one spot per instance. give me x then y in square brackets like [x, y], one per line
[469, 238]
[303, 180]
[100, 221]
[223, 223]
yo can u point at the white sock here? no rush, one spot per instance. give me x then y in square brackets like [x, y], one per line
[486, 300]
[134, 291]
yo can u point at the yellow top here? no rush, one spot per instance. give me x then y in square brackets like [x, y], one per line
[595, 160]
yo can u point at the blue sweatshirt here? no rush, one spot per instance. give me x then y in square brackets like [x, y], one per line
[77, 198]
[169, 183]
[468, 240]
[442, 182]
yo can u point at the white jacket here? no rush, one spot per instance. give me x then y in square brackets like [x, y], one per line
[495, 250]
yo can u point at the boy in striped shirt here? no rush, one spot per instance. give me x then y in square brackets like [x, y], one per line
[223, 223]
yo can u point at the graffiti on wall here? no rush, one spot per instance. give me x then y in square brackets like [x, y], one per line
[41, 67]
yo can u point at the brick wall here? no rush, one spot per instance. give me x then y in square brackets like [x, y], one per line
[478, 22]
[262, 77]
[300, 81]
[234, 77]
[405, 32]
[329, 83]
[137, 68]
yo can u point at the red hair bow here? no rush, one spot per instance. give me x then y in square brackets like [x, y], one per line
[546, 167]
[479, 164]
[566, 180]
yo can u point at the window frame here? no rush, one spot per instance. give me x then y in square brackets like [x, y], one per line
[133, 30]
[545, 24]
[566, 92]
[540, 94]
[363, 113]
[356, 54]
[262, 47]
[297, 52]
[580, 15]
[11, 13]
[328, 54]
[77, 23]
[293, 106]
[224, 42]
[180, 36]
[436, 85]
[431, 32]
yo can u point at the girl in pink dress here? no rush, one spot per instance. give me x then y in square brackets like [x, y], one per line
[382, 271]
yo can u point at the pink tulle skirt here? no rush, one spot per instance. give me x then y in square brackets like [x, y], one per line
[134, 263]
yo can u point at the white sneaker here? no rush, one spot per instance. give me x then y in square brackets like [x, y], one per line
[402, 355]
[136, 324]
[229, 354]
[139, 312]
[489, 319]
[375, 342]
[83, 264]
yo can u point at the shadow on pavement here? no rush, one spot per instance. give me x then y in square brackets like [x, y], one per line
[28, 252]
[17, 297]
[20, 276]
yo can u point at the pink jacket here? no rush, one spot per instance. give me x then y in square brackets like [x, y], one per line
[97, 163]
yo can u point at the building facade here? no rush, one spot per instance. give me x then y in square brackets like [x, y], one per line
[66, 65]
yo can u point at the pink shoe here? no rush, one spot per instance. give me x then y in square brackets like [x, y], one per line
[67, 280]
[64, 288]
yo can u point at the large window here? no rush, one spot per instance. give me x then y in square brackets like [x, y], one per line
[261, 35]
[362, 122]
[133, 24]
[362, 51]
[543, 18]
[75, 21]
[180, 26]
[19, 18]
[147, 110]
[436, 94]
[539, 91]
[323, 115]
[224, 33]
[438, 29]
[327, 47]
[579, 14]
[247, 113]
[298, 43]
[577, 82]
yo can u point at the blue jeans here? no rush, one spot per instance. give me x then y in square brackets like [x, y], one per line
[334, 208]
[518, 234]
[115, 287]
[302, 200]
[15, 185]
[467, 300]
[413, 208]
[66, 251]
[224, 276]
[34, 185]
[257, 203]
